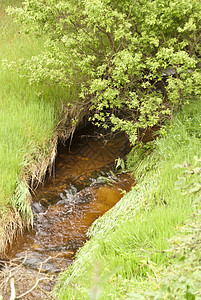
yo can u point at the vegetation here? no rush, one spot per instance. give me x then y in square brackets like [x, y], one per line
[133, 61]
[128, 252]
[31, 118]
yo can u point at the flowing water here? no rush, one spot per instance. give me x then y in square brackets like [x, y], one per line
[83, 188]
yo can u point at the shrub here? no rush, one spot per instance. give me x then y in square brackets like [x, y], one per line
[134, 62]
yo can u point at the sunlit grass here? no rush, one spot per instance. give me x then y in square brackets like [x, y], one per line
[29, 115]
[26, 121]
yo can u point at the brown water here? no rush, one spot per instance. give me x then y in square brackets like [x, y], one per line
[82, 189]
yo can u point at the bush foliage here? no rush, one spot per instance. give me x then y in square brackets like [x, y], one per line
[133, 61]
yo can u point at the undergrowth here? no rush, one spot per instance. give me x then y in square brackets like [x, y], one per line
[129, 243]
[181, 279]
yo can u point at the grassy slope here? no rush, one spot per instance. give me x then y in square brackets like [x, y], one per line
[28, 118]
[127, 244]
[26, 122]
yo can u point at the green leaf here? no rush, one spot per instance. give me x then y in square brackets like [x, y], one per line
[189, 295]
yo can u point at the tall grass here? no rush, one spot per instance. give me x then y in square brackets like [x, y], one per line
[25, 119]
[129, 241]
[29, 115]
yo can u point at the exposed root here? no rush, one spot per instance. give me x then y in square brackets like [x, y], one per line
[12, 287]
[11, 224]
[36, 170]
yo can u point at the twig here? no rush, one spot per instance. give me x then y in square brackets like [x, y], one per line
[15, 269]
[12, 287]
[29, 291]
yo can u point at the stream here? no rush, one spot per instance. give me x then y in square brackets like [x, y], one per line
[85, 185]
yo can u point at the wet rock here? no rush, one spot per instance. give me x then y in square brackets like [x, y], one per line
[35, 264]
[72, 245]
[32, 262]
[37, 208]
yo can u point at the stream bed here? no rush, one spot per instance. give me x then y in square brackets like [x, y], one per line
[85, 185]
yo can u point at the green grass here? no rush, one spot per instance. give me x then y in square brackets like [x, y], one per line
[128, 243]
[26, 121]
[181, 279]
[29, 115]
